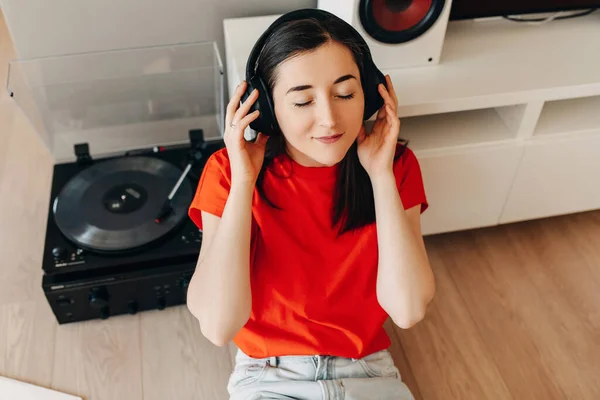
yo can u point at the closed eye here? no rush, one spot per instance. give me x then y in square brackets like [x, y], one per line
[346, 97]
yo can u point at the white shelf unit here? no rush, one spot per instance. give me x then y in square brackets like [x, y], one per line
[457, 129]
[569, 116]
[506, 127]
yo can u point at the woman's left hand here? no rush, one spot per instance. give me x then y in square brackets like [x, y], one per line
[376, 150]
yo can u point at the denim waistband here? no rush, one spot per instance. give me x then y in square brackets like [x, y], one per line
[293, 359]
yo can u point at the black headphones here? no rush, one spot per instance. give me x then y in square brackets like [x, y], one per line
[266, 122]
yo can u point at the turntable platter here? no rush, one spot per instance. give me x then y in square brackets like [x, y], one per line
[112, 205]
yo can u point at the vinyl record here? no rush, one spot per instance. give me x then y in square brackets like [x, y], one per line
[112, 205]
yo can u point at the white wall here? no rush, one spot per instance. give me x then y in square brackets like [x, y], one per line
[42, 28]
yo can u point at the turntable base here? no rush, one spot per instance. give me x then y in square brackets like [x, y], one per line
[105, 253]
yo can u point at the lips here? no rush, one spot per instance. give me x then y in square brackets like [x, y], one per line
[329, 139]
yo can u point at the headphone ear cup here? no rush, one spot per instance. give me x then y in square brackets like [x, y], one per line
[373, 100]
[266, 121]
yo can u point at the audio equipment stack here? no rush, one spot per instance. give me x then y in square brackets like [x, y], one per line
[118, 237]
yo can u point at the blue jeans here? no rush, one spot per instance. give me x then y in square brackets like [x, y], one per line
[317, 378]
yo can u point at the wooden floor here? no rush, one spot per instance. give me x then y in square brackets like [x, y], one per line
[516, 314]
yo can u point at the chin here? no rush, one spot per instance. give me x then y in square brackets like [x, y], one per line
[330, 157]
[329, 162]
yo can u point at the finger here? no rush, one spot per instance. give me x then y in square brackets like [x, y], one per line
[245, 107]
[388, 114]
[234, 103]
[382, 112]
[393, 118]
[391, 90]
[390, 110]
[385, 94]
[393, 108]
[240, 126]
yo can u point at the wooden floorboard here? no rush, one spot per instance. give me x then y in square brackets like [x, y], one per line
[178, 359]
[446, 351]
[401, 360]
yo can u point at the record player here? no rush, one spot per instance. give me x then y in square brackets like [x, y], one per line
[140, 125]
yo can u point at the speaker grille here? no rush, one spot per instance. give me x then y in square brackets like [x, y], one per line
[398, 21]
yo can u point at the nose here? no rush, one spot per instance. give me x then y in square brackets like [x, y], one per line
[326, 114]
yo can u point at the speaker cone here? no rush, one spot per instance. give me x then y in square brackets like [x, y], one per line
[398, 21]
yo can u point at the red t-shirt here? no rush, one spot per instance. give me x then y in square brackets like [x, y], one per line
[312, 292]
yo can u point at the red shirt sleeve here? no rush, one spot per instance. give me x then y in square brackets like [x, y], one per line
[410, 181]
[213, 188]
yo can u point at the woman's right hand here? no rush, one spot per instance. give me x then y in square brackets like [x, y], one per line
[246, 158]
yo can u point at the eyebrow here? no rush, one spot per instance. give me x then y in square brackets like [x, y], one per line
[304, 87]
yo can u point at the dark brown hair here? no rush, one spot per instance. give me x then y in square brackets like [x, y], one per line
[354, 204]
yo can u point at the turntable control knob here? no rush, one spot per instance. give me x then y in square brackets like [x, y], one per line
[161, 302]
[98, 298]
[59, 252]
[185, 282]
[132, 307]
[104, 312]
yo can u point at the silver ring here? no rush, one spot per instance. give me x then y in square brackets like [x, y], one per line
[232, 125]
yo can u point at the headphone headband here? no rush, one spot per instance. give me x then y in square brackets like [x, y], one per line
[290, 16]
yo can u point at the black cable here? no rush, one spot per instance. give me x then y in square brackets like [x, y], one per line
[587, 12]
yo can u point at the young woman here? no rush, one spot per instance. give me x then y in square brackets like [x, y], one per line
[311, 236]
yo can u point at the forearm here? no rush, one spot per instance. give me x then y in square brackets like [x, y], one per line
[405, 283]
[221, 292]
